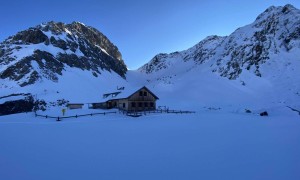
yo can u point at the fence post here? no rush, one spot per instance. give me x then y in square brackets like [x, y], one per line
[58, 119]
[46, 116]
[76, 116]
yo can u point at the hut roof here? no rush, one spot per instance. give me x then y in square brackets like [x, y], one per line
[126, 93]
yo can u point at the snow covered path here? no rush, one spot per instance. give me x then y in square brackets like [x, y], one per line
[205, 145]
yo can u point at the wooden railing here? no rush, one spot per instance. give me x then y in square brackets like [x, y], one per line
[140, 113]
[128, 113]
[59, 118]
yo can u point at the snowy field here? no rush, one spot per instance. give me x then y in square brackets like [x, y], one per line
[209, 145]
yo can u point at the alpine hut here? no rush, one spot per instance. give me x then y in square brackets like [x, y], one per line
[139, 100]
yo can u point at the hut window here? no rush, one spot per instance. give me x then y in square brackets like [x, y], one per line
[123, 105]
[151, 104]
[145, 93]
[141, 93]
[133, 104]
[145, 104]
[140, 104]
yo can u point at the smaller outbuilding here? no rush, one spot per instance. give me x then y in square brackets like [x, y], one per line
[74, 105]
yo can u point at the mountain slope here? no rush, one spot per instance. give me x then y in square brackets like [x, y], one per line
[55, 63]
[44, 52]
[257, 65]
[274, 32]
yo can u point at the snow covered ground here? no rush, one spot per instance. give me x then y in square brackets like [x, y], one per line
[210, 144]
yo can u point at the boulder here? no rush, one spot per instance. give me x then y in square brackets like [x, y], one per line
[265, 113]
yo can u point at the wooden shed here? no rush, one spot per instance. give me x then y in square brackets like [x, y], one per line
[140, 100]
[74, 106]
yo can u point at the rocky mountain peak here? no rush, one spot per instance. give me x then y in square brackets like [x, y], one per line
[275, 31]
[279, 11]
[79, 30]
[45, 50]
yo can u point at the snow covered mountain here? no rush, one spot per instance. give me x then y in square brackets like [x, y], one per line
[255, 67]
[274, 32]
[257, 64]
[43, 52]
[57, 62]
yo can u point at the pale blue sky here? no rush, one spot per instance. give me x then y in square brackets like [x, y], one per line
[140, 29]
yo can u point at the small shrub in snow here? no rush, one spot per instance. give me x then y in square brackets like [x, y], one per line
[265, 113]
[247, 111]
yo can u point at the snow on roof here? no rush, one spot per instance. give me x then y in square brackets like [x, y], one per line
[119, 94]
[124, 93]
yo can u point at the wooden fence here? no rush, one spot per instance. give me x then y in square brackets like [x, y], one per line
[59, 118]
[128, 113]
[140, 113]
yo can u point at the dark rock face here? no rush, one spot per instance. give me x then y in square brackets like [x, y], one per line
[205, 49]
[17, 106]
[156, 64]
[31, 36]
[59, 43]
[50, 68]
[53, 46]
[96, 37]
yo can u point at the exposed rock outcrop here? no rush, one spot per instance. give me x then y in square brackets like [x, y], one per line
[45, 50]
